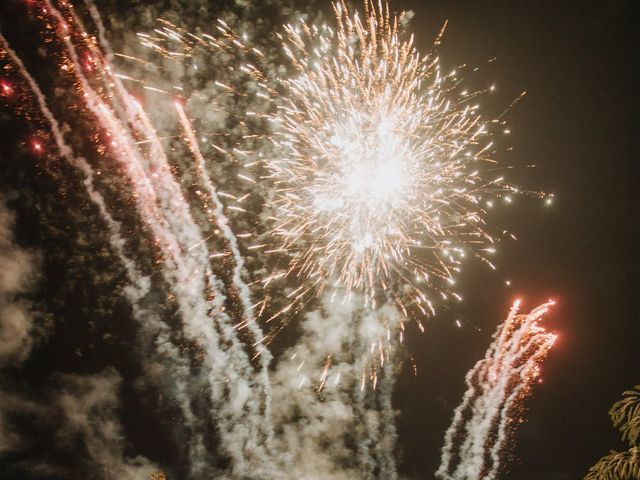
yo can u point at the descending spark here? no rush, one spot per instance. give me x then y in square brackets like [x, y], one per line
[217, 217]
[496, 388]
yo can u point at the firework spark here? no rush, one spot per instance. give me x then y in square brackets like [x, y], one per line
[496, 387]
[378, 162]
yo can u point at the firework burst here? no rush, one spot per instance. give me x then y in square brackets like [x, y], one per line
[377, 164]
[379, 160]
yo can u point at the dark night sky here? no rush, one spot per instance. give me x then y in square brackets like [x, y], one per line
[575, 124]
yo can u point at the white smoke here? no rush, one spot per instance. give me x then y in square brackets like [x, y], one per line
[18, 271]
[88, 407]
[85, 406]
[331, 424]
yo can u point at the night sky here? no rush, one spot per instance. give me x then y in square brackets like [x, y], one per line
[576, 125]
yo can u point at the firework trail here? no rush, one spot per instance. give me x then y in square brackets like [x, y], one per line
[186, 265]
[174, 362]
[139, 284]
[497, 386]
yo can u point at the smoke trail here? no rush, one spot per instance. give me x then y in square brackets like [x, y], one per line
[385, 449]
[332, 405]
[496, 385]
[102, 32]
[173, 362]
[221, 220]
[177, 234]
[186, 269]
[218, 216]
[244, 430]
[139, 284]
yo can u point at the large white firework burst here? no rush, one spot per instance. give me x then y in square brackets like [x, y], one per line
[379, 161]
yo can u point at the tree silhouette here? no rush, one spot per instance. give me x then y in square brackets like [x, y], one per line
[625, 415]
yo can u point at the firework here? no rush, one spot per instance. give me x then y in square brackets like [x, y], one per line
[374, 161]
[211, 306]
[496, 388]
[378, 162]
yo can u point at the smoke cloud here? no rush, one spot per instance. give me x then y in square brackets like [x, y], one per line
[17, 275]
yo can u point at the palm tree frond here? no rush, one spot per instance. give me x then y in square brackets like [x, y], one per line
[625, 415]
[617, 466]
